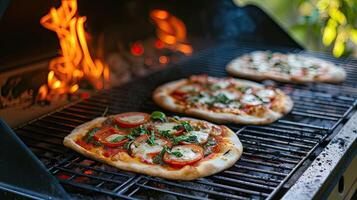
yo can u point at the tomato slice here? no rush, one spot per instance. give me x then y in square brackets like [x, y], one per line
[196, 153]
[179, 95]
[131, 119]
[111, 137]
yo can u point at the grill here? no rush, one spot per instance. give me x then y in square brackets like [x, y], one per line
[273, 157]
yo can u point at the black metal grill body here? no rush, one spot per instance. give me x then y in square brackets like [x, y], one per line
[272, 154]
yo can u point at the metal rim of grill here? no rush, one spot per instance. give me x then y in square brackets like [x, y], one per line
[271, 153]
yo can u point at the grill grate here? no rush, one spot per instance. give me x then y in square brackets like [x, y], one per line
[271, 154]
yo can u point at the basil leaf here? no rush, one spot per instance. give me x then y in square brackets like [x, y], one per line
[210, 142]
[90, 134]
[221, 98]
[185, 138]
[177, 154]
[89, 137]
[118, 138]
[242, 89]
[176, 117]
[128, 144]
[157, 115]
[151, 139]
[166, 134]
[136, 132]
[158, 158]
[215, 87]
[177, 127]
[258, 97]
[187, 126]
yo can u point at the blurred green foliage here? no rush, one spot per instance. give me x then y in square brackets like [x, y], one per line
[324, 25]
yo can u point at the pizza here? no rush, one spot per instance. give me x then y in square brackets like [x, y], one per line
[224, 100]
[262, 65]
[157, 145]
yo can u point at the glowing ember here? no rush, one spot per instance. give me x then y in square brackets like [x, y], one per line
[163, 59]
[137, 49]
[171, 31]
[75, 63]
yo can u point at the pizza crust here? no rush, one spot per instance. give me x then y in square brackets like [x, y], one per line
[123, 161]
[162, 97]
[238, 68]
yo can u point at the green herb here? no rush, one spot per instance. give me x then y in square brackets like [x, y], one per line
[157, 115]
[118, 138]
[221, 98]
[210, 142]
[166, 134]
[90, 134]
[184, 125]
[176, 117]
[283, 67]
[315, 67]
[136, 132]
[151, 139]
[187, 126]
[197, 97]
[158, 158]
[89, 137]
[215, 87]
[259, 98]
[177, 127]
[185, 138]
[128, 144]
[193, 99]
[177, 154]
[242, 89]
[208, 152]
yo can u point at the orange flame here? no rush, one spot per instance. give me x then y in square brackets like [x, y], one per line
[171, 31]
[75, 63]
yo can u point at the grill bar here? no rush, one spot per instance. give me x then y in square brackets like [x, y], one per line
[271, 155]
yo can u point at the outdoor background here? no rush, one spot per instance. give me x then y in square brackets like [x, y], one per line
[322, 25]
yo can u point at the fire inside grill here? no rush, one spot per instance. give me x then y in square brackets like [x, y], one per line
[76, 62]
[272, 154]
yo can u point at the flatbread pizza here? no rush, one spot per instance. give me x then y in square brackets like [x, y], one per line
[262, 65]
[224, 100]
[157, 145]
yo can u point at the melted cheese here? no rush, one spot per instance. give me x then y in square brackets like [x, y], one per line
[205, 99]
[221, 84]
[188, 88]
[202, 137]
[219, 105]
[142, 149]
[266, 93]
[228, 94]
[234, 105]
[187, 153]
[250, 100]
[112, 137]
[133, 118]
[167, 127]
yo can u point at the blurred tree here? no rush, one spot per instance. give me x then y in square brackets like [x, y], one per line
[325, 25]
